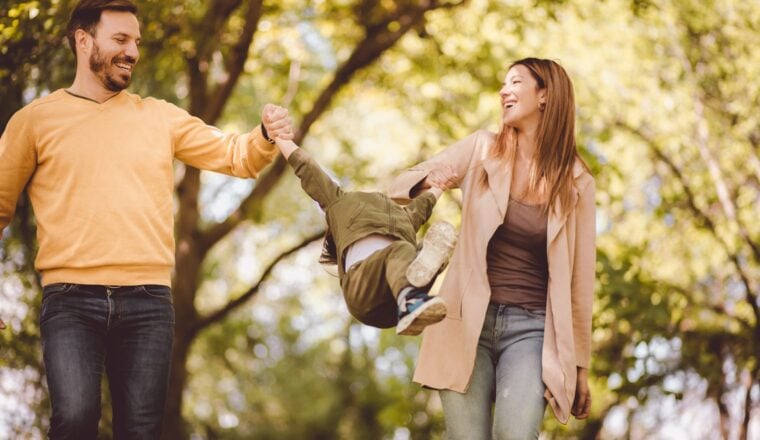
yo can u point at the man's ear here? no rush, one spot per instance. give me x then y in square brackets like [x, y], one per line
[83, 41]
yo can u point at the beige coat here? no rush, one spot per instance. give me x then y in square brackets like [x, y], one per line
[448, 349]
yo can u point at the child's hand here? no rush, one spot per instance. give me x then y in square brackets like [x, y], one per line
[277, 122]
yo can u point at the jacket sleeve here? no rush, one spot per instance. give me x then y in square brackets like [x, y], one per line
[584, 267]
[420, 209]
[458, 156]
[208, 148]
[18, 160]
[317, 184]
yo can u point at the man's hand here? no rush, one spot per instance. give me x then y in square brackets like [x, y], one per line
[582, 403]
[2, 325]
[443, 177]
[277, 122]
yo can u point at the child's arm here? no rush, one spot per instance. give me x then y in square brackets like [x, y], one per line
[317, 184]
[437, 192]
[421, 207]
[286, 147]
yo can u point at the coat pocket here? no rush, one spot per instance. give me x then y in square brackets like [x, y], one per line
[454, 288]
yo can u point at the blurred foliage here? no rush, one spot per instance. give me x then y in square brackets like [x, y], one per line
[668, 118]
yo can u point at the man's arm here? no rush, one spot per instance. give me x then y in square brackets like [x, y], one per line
[18, 160]
[206, 147]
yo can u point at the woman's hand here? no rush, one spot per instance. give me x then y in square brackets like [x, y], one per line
[443, 177]
[582, 402]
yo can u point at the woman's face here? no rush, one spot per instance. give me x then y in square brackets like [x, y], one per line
[521, 98]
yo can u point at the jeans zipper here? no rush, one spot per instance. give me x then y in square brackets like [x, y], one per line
[108, 295]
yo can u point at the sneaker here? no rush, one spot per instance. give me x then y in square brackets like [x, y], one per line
[417, 310]
[437, 245]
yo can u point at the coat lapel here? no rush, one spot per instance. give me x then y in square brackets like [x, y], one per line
[557, 218]
[499, 182]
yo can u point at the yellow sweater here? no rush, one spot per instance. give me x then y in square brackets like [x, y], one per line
[101, 181]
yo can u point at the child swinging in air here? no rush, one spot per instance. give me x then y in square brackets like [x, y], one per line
[385, 281]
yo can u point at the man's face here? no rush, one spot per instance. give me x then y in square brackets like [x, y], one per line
[114, 51]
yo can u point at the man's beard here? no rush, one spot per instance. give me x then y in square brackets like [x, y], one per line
[99, 66]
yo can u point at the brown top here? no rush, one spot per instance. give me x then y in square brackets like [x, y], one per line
[518, 270]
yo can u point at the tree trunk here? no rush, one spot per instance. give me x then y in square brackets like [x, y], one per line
[185, 284]
[174, 427]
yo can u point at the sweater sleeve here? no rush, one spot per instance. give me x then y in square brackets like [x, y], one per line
[207, 147]
[458, 156]
[18, 160]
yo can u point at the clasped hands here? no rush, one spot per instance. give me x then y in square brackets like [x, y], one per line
[443, 177]
[277, 122]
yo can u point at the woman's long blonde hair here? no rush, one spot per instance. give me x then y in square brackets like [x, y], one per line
[556, 152]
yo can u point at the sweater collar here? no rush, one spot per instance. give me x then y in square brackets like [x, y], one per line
[111, 99]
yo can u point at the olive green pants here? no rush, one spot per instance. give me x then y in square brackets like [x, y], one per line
[371, 286]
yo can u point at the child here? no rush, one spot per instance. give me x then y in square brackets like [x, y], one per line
[372, 239]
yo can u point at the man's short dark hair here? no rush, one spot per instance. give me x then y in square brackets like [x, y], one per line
[86, 15]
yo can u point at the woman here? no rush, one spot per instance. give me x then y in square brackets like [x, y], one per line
[520, 283]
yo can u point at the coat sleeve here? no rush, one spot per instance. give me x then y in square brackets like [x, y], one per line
[584, 268]
[458, 156]
[18, 160]
[208, 148]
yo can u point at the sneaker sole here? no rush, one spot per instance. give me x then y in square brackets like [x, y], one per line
[429, 313]
[437, 245]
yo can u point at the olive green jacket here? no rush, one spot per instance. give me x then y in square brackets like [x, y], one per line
[355, 215]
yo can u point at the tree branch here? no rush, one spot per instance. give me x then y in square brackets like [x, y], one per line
[198, 62]
[220, 314]
[235, 63]
[702, 216]
[702, 135]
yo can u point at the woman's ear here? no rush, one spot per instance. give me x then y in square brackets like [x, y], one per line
[542, 99]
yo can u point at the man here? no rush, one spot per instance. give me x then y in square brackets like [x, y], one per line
[97, 162]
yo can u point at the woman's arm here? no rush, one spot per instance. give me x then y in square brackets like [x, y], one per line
[582, 294]
[584, 266]
[446, 169]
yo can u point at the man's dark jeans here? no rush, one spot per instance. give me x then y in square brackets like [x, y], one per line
[129, 331]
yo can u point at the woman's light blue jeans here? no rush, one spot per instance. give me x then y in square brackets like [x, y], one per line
[505, 399]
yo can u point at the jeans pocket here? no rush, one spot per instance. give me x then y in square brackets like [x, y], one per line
[158, 291]
[52, 290]
[49, 294]
[538, 314]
